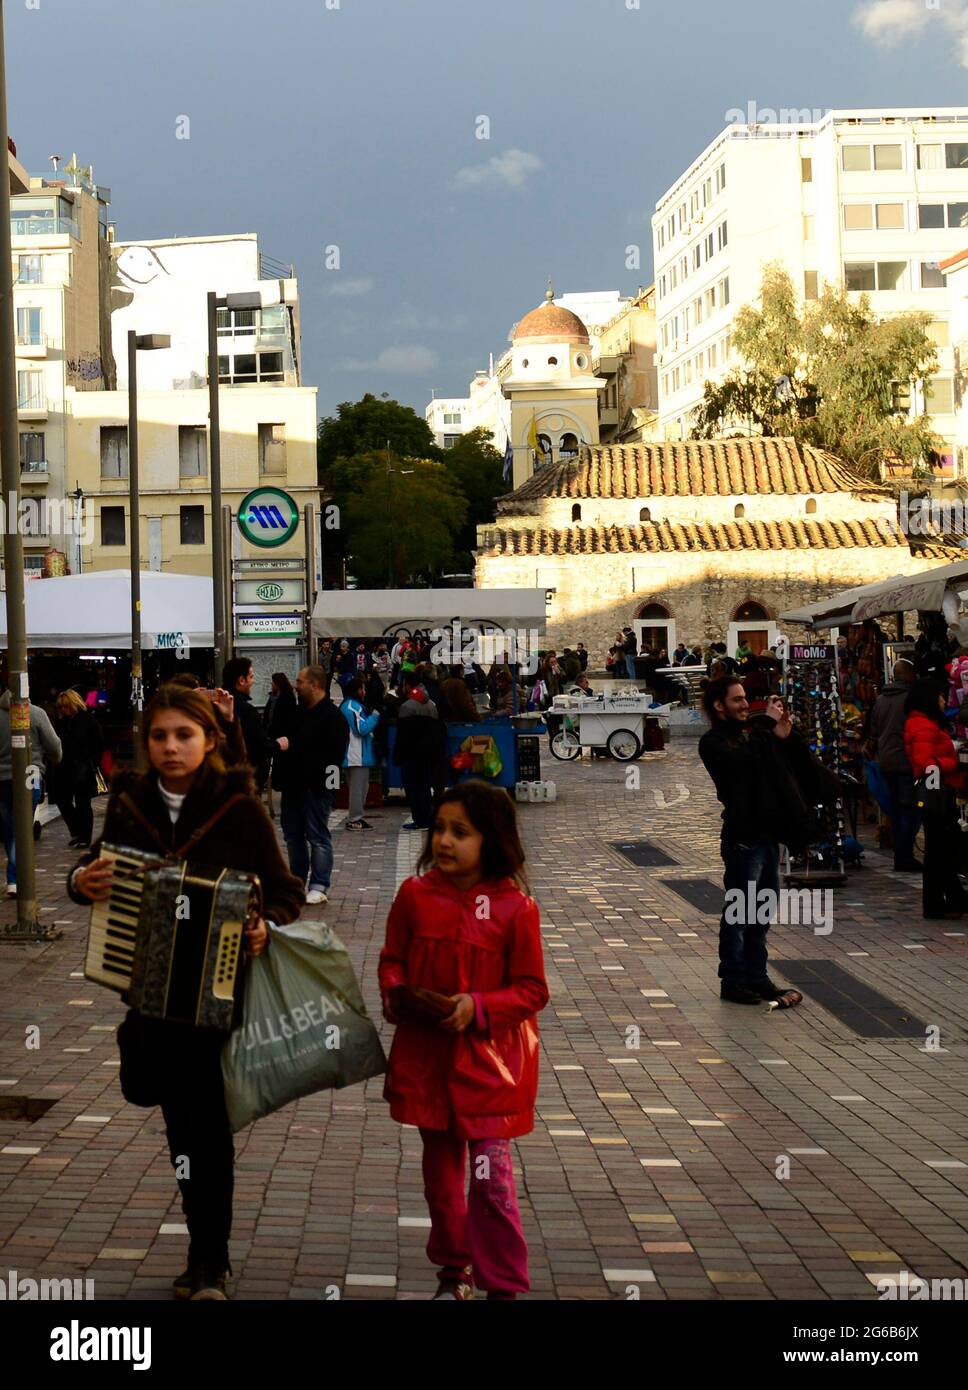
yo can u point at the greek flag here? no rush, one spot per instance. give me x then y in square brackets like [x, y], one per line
[508, 460]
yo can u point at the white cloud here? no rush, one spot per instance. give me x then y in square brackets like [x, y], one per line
[890, 22]
[408, 359]
[339, 288]
[512, 169]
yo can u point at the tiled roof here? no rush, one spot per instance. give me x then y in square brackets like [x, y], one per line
[658, 537]
[720, 467]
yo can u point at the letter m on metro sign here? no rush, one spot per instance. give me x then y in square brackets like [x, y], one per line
[268, 516]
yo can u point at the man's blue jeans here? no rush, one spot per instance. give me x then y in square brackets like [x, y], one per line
[904, 819]
[6, 824]
[742, 932]
[305, 828]
[630, 666]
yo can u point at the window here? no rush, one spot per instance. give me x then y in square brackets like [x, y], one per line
[451, 439]
[809, 232]
[697, 311]
[29, 270]
[930, 215]
[720, 178]
[576, 512]
[711, 299]
[684, 268]
[30, 327]
[806, 171]
[711, 356]
[890, 275]
[860, 275]
[682, 216]
[192, 451]
[114, 454]
[958, 214]
[707, 193]
[568, 446]
[811, 506]
[663, 288]
[665, 335]
[645, 514]
[685, 320]
[901, 398]
[672, 227]
[931, 276]
[687, 371]
[930, 157]
[452, 417]
[272, 449]
[857, 158]
[192, 521]
[739, 511]
[858, 217]
[693, 203]
[661, 237]
[888, 157]
[112, 526]
[33, 451]
[724, 292]
[810, 287]
[939, 333]
[236, 322]
[727, 348]
[552, 361]
[890, 217]
[710, 247]
[721, 236]
[30, 390]
[673, 277]
[939, 395]
[697, 255]
[676, 378]
[956, 156]
[35, 520]
[248, 367]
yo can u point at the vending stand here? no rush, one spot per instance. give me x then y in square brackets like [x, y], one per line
[811, 691]
[616, 723]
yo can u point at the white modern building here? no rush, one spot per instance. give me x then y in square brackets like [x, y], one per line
[872, 199]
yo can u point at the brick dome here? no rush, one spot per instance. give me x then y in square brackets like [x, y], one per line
[552, 324]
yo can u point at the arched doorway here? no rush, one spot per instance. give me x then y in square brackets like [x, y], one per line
[655, 626]
[753, 623]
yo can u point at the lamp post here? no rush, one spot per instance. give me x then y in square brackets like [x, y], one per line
[78, 496]
[28, 925]
[144, 342]
[403, 472]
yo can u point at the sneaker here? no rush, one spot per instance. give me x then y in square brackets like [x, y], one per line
[739, 994]
[454, 1286]
[11, 890]
[412, 825]
[208, 1284]
[315, 896]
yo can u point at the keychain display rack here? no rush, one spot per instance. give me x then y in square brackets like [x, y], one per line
[811, 690]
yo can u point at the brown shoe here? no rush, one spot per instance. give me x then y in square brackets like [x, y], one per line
[454, 1285]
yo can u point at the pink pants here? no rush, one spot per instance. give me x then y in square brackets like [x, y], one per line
[484, 1231]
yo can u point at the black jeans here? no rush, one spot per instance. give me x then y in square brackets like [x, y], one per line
[185, 1065]
[941, 887]
[73, 799]
[416, 779]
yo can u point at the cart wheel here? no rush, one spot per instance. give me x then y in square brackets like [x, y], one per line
[565, 746]
[623, 745]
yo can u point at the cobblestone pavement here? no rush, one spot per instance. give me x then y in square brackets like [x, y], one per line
[653, 1166]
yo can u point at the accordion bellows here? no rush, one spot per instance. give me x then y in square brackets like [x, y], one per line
[170, 936]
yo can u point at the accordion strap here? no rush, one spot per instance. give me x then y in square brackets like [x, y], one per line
[194, 837]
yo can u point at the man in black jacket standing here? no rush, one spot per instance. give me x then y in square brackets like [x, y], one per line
[308, 775]
[752, 762]
[260, 749]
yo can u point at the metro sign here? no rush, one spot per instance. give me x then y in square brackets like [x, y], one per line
[268, 516]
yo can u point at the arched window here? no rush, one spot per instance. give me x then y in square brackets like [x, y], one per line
[568, 447]
[811, 505]
[645, 514]
[576, 512]
[751, 612]
[552, 361]
[739, 511]
[654, 610]
[545, 443]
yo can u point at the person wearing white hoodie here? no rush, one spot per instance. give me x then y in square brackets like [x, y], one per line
[45, 751]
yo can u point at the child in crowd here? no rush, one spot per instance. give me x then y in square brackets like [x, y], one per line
[464, 929]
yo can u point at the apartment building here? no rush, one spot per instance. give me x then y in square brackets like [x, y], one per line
[874, 200]
[61, 272]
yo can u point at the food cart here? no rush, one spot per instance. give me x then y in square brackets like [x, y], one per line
[615, 723]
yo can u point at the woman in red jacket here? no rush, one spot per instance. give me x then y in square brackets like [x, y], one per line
[466, 931]
[933, 756]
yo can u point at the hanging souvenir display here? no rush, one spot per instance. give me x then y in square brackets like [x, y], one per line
[811, 689]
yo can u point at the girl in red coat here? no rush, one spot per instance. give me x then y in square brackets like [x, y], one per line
[931, 753]
[464, 930]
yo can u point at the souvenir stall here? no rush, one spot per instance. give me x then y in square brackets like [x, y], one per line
[811, 690]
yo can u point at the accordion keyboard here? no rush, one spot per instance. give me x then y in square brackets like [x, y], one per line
[114, 922]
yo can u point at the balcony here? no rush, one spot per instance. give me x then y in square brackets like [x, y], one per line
[34, 471]
[44, 226]
[31, 345]
[32, 408]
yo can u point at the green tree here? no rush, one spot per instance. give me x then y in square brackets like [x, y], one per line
[365, 426]
[400, 520]
[476, 470]
[828, 373]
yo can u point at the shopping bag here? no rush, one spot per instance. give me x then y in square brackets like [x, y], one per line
[304, 1025]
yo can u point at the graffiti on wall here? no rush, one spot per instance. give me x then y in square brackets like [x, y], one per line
[86, 366]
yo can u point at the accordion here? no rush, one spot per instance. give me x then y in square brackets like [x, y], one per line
[170, 936]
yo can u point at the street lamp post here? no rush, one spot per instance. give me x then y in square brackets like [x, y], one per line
[145, 342]
[27, 924]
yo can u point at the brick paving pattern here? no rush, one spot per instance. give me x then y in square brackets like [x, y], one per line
[664, 1115]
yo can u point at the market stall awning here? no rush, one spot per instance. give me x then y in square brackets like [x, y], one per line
[900, 594]
[93, 611]
[383, 612]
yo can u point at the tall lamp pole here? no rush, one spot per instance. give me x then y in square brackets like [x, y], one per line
[27, 924]
[215, 479]
[144, 342]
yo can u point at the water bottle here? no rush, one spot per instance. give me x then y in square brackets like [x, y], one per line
[534, 791]
[520, 791]
[550, 791]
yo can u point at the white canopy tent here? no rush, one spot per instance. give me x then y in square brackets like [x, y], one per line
[385, 612]
[93, 611]
[900, 594]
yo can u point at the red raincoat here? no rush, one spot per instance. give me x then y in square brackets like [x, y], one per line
[927, 745]
[486, 942]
